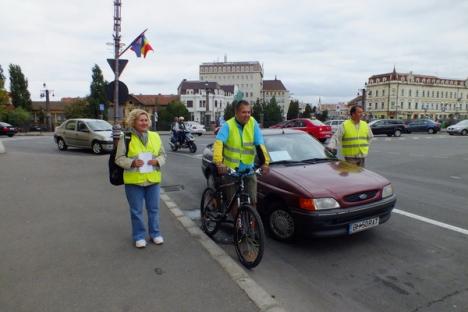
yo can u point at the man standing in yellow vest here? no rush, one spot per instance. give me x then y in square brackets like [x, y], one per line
[142, 176]
[236, 144]
[353, 136]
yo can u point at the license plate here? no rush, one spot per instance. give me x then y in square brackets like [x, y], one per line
[363, 225]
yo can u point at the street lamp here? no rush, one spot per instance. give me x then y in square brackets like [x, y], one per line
[45, 93]
[207, 105]
[425, 107]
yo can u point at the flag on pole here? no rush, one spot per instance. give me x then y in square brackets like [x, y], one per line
[141, 45]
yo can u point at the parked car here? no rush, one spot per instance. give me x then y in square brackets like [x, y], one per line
[195, 127]
[459, 128]
[37, 128]
[424, 125]
[280, 124]
[7, 129]
[84, 133]
[389, 127]
[334, 124]
[314, 127]
[309, 191]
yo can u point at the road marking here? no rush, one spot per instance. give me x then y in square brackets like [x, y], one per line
[198, 156]
[415, 138]
[456, 177]
[431, 221]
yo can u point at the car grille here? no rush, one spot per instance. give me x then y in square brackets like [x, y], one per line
[361, 196]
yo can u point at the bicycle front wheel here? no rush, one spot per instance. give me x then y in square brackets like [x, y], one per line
[209, 212]
[249, 236]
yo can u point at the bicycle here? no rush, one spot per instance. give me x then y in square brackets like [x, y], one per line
[249, 235]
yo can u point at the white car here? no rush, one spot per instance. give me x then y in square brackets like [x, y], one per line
[334, 124]
[459, 128]
[195, 127]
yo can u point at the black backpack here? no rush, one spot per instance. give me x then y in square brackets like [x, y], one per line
[115, 171]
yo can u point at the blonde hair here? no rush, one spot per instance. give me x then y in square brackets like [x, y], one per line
[133, 116]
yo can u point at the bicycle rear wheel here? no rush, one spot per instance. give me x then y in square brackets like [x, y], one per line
[249, 236]
[209, 212]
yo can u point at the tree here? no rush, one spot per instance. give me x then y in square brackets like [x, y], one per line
[293, 111]
[98, 93]
[307, 112]
[4, 99]
[20, 95]
[257, 111]
[77, 109]
[323, 116]
[272, 113]
[229, 110]
[174, 109]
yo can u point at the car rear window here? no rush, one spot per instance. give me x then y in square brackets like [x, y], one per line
[317, 122]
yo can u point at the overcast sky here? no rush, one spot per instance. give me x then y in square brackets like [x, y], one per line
[324, 49]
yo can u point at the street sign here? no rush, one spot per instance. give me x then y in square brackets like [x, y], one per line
[123, 92]
[122, 64]
[101, 107]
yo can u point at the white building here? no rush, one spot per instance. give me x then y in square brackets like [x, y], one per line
[205, 101]
[247, 76]
[275, 88]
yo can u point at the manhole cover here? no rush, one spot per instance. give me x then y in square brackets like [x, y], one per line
[172, 188]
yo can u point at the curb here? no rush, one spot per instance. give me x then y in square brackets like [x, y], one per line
[256, 293]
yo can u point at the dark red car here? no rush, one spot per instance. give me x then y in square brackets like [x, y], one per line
[309, 190]
[7, 129]
[314, 127]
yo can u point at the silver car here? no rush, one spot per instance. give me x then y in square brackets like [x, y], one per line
[459, 128]
[335, 124]
[195, 127]
[84, 133]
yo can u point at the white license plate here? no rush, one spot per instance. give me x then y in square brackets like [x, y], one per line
[363, 225]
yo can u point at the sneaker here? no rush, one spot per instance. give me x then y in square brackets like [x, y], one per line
[140, 243]
[158, 240]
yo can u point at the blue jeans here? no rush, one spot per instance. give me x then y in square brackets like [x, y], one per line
[136, 195]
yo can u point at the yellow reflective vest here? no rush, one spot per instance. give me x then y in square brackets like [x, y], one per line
[134, 176]
[355, 142]
[237, 149]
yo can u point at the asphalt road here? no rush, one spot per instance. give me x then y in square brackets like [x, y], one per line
[408, 264]
[415, 262]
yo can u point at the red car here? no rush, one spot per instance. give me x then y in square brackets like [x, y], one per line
[7, 129]
[314, 127]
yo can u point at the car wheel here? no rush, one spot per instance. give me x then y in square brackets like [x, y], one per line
[430, 131]
[281, 223]
[10, 135]
[97, 148]
[199, 134]
[464, 132]
[450, 133]
[61, 144]
[397, 133]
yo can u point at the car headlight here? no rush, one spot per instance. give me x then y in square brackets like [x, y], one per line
[387, 191]
[325, 203]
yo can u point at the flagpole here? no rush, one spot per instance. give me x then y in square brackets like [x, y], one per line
[129, 46]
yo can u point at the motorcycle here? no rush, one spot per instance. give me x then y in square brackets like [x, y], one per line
[187, 142]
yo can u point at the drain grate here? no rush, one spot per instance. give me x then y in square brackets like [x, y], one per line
[172, 188]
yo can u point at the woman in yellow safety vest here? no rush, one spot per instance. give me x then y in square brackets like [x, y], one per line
[142, 175]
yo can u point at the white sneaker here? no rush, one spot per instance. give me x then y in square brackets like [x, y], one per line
[140, 243]
[158, 240]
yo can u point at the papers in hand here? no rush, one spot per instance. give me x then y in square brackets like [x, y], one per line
[146, 167]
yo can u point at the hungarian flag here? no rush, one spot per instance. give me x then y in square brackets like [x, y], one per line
[141, 46]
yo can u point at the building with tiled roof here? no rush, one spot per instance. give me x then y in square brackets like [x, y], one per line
[410, 96]
[275, 88]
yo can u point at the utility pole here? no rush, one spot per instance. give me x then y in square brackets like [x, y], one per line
[117, 23]
[45, 93]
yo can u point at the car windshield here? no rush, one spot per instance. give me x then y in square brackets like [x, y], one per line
[462, 123]
[295, 148]
[317, 122]
[373, 122]
[4, 124]
[99, 125]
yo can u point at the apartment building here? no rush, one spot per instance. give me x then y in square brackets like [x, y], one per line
[275, 88]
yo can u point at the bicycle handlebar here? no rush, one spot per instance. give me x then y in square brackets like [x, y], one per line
[235, 173]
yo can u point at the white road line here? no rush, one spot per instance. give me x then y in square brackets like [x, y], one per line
[456, 177]
[198, 156]
[431, 221]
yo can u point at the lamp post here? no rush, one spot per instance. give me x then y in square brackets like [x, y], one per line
[207, 105]
[45, 93]
[425, 107]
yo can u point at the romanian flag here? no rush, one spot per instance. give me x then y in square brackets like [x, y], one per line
[141, 46]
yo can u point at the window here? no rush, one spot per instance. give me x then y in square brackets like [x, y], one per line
[416, 105]
[376, 105]
[424, 93]
[402, 92]
[71, 125]
[409, 105]
[410, 92]
[190, 103]
[401, 105]
[383, 92]
[376, 92]
[382, 105]
[417, 93]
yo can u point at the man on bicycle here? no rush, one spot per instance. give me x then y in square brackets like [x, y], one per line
[236, 144]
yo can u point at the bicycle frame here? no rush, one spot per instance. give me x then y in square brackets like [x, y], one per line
[241, 195]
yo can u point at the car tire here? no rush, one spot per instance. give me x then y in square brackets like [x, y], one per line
[199, 134]
[96, 147]
[210, 181]
[431, 131]
[450, 133]
[464, 132]
[62, 146]
[10, 135]
[281, 224]
[397, 133]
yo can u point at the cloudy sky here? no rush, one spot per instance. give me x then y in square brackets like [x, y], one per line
[324, 49]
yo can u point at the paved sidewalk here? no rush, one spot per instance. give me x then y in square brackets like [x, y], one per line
[65, 245]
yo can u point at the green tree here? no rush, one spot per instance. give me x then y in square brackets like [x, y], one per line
[77, 109]
[257, 110]
[293, 111]
[98, 93]
[167, 114]
[272, 113]
[307, 111]
[19, 117]
[2, 78]
[229, 110]
[20, 96]
[4, 99]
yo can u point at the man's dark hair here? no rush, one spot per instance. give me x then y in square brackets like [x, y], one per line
[353, 109]
[240, 103]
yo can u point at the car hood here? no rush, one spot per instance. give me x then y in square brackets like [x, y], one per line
[336, 178]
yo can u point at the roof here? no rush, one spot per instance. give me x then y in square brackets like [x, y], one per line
[273, 85]
[53, 105]
[201, 85]
[153, 99]
[232, 63]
